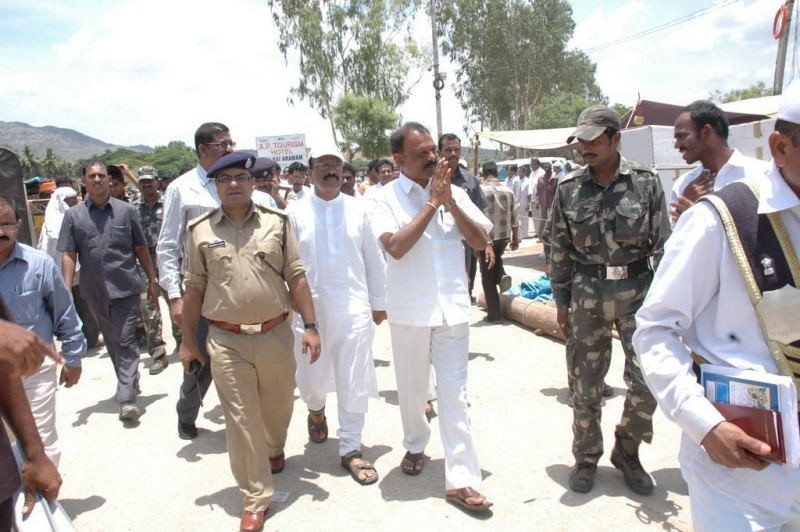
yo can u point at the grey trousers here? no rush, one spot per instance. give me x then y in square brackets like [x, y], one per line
[117, 321]
[195, 386]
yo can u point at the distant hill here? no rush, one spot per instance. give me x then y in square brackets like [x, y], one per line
[69, 144]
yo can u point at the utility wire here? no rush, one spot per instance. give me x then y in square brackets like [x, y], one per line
[696, 14]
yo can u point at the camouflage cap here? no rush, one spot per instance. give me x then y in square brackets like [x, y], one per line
[593, 122]
[147, 172]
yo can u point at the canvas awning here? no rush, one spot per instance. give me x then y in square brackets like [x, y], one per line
[766, 105]
[532, 139]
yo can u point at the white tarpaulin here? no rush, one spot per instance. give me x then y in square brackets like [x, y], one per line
[766, 106]
[534, 139]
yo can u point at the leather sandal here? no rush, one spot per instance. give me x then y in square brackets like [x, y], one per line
[412, 463]
[317, 432]
[277, 463]
[356, 469]
[459, 498]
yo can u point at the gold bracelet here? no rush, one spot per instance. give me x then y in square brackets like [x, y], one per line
[435, 208]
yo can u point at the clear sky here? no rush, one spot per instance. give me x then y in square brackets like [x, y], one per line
[150, 71]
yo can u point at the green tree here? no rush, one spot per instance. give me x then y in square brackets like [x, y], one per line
[755, 90]
[28, 162]
[52, 165]
[363, 122]
[511, 56]
[359, 47]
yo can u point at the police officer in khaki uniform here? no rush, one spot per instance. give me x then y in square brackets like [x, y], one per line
[608, 220]
[241, 257]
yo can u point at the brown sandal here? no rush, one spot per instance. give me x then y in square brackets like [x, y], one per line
[317, 432]
[412, 463]
[356, 469]
[459, 498]
[277, 463]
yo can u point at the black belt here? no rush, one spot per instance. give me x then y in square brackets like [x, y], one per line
[602, 271]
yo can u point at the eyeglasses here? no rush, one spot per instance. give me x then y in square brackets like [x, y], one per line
[328, 165]
[9, 228]
[224, 144]
[228, 179]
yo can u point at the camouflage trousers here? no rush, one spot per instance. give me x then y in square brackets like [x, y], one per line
[149, 323]
[597, 306]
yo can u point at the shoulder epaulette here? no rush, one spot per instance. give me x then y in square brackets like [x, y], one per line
[637, 167]
[274, 210]
[194, 221]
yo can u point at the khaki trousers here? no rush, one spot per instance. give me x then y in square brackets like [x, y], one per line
[254, 376]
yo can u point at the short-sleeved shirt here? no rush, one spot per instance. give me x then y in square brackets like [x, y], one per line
[104, 237]
[243, 269]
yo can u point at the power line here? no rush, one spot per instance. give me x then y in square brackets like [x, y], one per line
[675, 22]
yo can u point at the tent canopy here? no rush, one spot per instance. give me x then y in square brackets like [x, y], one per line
[646, 113]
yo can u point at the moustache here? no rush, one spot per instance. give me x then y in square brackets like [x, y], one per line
[430, 164]
[334, 176]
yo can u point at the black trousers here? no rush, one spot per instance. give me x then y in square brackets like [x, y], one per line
[491, 277]
[194, 386]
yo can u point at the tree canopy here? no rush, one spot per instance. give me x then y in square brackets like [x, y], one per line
[363, 122]
[755, 90]
[512, 60]
[348, 47]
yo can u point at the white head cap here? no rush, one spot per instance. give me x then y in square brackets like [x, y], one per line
[326, 148]
[789, 109]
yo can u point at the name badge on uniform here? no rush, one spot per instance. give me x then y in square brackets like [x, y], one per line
[217, 244]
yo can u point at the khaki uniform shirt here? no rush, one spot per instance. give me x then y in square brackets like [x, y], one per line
[617, 225]
[235, 265]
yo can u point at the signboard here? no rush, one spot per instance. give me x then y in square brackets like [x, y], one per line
[283, 149]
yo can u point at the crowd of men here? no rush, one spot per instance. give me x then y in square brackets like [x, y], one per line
[274, 285]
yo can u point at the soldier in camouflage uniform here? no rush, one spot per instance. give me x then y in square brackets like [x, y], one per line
[608, 220]
[151, 212]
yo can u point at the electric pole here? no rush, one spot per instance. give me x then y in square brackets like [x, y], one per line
[438, 80]
[780, 30]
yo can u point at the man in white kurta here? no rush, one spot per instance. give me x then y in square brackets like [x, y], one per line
[421, 220]
[701, 136]
[698, 301]
[345, 270]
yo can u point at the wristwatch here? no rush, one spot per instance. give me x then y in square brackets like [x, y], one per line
[311, 325]
[449, 204]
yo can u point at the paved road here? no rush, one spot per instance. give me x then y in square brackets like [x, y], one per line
[147, 479]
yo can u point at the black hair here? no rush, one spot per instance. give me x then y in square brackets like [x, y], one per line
[347, 167]
[63, 181]
[206, 133]
[490, 169]
[535, 160]
[512, 168]
[704, 112]
[383, 162]
[398, 137]
[297, 166]
[448, 136]
[790, 129]
[95, 162]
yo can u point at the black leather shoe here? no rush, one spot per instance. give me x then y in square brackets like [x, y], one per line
[187, 431]
[581, 478]
[636, 477]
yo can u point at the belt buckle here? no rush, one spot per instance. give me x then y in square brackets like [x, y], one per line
[616, 272]
[254, 328]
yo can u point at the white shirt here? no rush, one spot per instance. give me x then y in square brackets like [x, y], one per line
[344, 263]
[428, 286]
[698, 296]
[372, 192]
[533, 182]
[735, 169]
[188, 197]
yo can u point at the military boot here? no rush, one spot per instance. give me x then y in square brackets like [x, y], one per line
[581, 478]
[625, 457]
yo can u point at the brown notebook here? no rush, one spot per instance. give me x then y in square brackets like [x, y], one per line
[764, 425]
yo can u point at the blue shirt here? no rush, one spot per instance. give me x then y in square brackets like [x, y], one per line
[35, 293]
